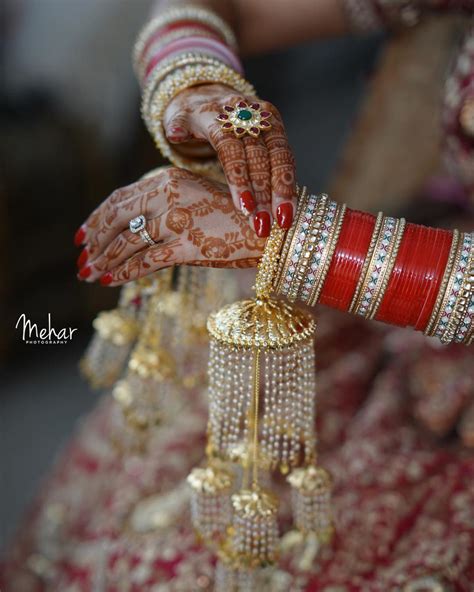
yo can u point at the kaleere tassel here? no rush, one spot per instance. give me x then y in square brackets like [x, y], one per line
[211, 511]
[311, 501]
[146, 395]
[115, 333]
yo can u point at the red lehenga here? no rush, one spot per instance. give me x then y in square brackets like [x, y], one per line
[403, 499]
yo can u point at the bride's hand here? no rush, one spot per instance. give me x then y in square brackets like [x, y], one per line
[191, 218]
[259, 170]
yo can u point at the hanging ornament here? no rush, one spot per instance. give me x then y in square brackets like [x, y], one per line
[311, 501]
[115, 333]
[232, 578]
[262, 419]
[186, 309]
[211, 512]
[276, 338]
[255, 527]
[147, 394]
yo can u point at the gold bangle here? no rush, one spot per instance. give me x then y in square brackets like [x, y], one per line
[459, 298]
[168, 67]
[375, 270]
[193, 13]
[367, 260]
[268, 264]
[312, 232]
[435, 313]
[328, 254]
[290, 239]
[389, 265]
[448, 288]
[172, 85]
[461, 321]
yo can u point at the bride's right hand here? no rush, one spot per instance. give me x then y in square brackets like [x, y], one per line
[260, 171]
[192, 220]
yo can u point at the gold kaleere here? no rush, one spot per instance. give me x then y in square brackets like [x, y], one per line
[146, 396]
[262, 419]
[186, 310]
[115, 333]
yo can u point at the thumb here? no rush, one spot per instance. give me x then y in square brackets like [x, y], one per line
[177, 130]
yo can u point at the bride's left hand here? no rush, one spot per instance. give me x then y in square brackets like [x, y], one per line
[192, 220]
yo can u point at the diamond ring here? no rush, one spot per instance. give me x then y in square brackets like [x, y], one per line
[244, 118]
[138, 226]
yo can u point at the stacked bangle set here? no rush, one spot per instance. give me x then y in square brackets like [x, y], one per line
[379, 267]
[181, 48]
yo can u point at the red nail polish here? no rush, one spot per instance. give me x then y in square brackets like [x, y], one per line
[262, 224]
[85, 272]
[247, 202]
[80, 236]
[285, 215]
[106, 279]
[82, 259]
[177, 131]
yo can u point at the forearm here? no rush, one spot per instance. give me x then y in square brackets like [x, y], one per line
[380, 268]
[261, 26]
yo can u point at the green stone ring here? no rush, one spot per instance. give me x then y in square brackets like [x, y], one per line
[244, 118]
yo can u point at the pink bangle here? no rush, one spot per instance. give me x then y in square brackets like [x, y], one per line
[163, 41]
[174, 26]
[189, 44]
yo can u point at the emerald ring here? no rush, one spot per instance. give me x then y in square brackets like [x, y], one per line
[244, 118]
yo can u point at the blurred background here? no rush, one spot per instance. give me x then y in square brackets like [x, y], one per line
[70, 134]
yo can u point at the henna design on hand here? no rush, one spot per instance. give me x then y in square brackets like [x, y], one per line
[192, 218]
[246, 169]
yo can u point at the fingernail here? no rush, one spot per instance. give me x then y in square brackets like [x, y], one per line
[262, 224]
[84, 272]
[177, 131]
[82, 259]
[285, 215]
[106, 279]
[177, 134]
[80, 236]
[247, 202]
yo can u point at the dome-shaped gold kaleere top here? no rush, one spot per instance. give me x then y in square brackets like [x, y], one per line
[262, 323]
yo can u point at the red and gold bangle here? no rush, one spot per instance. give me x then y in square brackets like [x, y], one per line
[415, 272]
[400, 271]
[348, 259]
